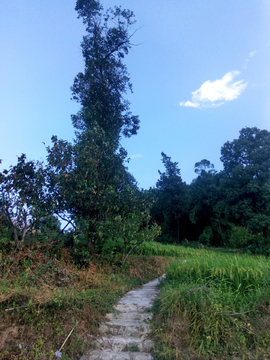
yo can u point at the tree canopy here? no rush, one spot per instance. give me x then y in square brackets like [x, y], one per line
[100, 89]
[219, 207]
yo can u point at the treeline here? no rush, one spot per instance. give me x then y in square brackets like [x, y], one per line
[86, 184]
[230, 208]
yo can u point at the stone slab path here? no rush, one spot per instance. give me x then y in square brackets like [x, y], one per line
[125, 331]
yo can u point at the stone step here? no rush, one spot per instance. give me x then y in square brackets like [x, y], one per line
[138, 330]
[135, 317]
[110, 355]
[130, 307]
[125, 331]
[143, 297]
[124, 343]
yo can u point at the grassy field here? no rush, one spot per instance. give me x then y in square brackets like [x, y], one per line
[44, 297]
[212, 305]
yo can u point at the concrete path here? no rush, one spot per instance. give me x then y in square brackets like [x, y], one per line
[125, 331]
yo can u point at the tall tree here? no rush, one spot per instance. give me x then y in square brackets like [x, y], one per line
[250, 152]
[105, 80]
[170, 209]
[88, 179]
[207, 205]
[247, 179]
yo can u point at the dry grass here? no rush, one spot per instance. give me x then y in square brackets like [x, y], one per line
[50, 296]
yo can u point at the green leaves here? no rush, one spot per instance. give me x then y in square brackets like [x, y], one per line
[23, 197]
[246, 179]
[100, 88]
[217, 202]
[89, 179]
[124, 234]
[250, 152]
[171, 200]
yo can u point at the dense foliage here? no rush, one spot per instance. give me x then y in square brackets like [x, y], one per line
[23, 198]
[228, 208]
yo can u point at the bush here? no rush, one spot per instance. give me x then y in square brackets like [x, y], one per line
[206, 237]
[240, 237]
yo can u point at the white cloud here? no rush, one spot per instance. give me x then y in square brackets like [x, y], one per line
[250, 55]
[136, 156]
[215, 93]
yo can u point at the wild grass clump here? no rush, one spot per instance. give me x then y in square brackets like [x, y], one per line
[214, 306]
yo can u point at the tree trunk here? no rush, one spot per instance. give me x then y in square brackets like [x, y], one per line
[18, 239]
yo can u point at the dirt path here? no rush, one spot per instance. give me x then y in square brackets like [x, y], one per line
[125, 331]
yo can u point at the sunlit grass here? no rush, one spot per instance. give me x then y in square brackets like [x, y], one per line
[235, 273]
[212, 304]
[158, 249]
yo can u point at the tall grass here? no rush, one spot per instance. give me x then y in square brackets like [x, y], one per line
[213, 305]
[234, 273]
[158, 249]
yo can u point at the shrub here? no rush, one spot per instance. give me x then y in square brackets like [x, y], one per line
[240, 237]
[206, 237]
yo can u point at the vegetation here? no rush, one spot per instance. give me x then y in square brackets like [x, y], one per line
[229, 208]
[22, 199]
[52, 280]
[212, 305]
[88, 180]
[43, 296]
[86, 183]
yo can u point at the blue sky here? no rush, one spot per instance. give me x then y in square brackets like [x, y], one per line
[200, 73]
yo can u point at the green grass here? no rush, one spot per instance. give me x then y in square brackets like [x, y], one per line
[234, 273]
[212, 305]
[158, 249]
